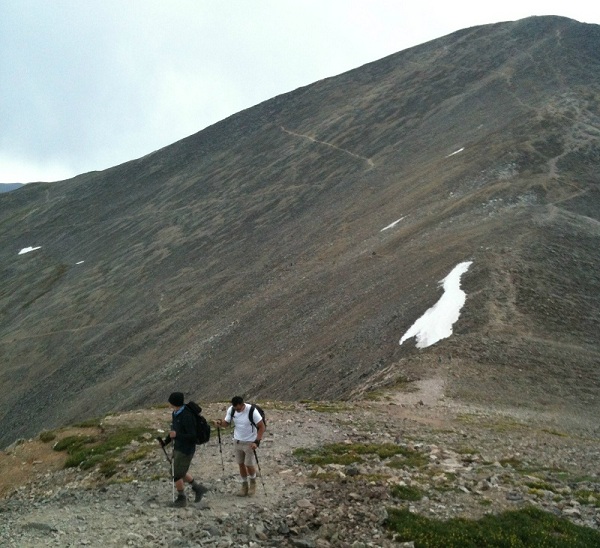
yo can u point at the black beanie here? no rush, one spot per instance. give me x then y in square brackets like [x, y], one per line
[176, 399]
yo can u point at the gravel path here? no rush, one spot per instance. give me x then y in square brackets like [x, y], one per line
[474, 461]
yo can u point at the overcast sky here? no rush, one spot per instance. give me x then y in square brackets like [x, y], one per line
[88, 84]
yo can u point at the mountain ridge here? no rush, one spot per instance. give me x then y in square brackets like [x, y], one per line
[249, 257]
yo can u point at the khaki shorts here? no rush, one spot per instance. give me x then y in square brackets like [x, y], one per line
[181, 464]
[243, 453]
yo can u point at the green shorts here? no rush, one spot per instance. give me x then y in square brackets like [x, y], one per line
[181, 464]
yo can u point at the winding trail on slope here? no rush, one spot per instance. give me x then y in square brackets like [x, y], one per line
[312, 139]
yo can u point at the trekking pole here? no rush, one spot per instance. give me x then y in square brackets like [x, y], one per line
[172, 466]
[260, 471]
[173, 475]
[164, 450]
[220, 448]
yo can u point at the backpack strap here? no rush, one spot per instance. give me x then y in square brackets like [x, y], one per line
[251, 415]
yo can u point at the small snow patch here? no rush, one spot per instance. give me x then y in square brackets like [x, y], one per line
[437, 322]
[29, 249]
[392, 225]
[455, 152]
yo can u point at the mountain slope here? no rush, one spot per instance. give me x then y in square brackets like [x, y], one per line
[250, 257]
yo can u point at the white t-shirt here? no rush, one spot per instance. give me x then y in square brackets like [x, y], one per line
[243, 431]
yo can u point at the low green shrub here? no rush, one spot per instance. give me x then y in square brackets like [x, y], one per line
[528, 527]
[346, 453]
[139, 453]
[89, 451]
[89, 423]
[404, 492]
[108, 468]
[47, 436]
[73, 444]
[408, 458]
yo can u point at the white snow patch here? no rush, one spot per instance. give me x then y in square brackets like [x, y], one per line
[455, 152]
[391, 225]
[80, 262]
[28, 249]
[437, 322]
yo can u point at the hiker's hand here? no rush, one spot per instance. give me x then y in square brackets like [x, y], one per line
[172, 434]
[219, 423]
[254, 445]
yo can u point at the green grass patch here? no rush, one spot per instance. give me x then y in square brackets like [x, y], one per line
[528, 527]
[529, 468]
[408, 458]
[329, 454]
[375, 395]
[404, 492]
[326, 476]
[72, 444]
[47, 436]
[125, 479]
[139, 453]
[568, 477]
[515, 463]
[540, 486]
[346, 453]
[325, 406]
[465, 450]
[279, 406]
[89, 451]
[108, 467]
[583, 497]
[89, 423]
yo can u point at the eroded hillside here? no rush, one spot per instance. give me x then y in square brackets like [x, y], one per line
[250, 257]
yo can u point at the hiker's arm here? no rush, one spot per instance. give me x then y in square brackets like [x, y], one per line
[224, 423]
[260, 427]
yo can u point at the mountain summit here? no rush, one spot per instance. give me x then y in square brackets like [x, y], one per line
[285, 251]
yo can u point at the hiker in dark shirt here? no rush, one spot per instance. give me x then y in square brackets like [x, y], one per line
[183, 435]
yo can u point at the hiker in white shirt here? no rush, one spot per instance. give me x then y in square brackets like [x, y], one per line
[246, 438]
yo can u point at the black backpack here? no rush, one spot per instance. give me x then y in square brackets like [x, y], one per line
[253, 406]
[202, 426]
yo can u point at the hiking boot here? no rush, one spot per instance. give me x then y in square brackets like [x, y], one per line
[199, 490]
[243, 492]
[252, 487]
[180, 501]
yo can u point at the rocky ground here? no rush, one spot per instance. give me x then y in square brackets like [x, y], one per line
[466, 462]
